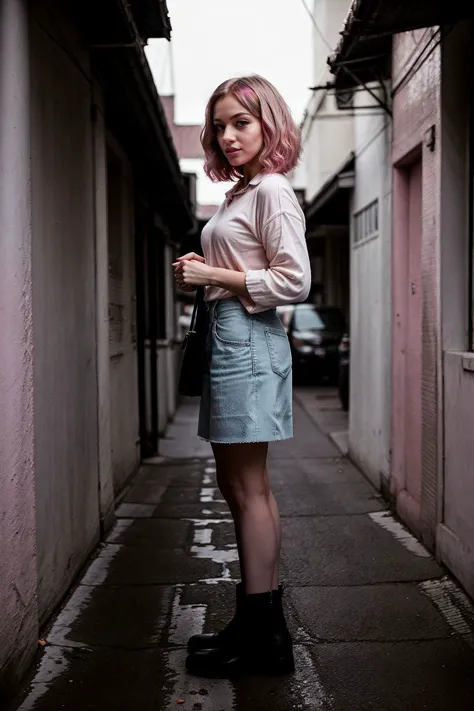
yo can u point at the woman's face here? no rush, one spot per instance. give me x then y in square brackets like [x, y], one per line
[239, 133]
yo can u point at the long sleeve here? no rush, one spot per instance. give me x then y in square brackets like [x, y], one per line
[287, 278]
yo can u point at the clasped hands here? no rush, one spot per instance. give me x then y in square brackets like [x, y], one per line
[191, 271]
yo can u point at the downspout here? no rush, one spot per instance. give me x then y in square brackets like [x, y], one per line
[471, 210]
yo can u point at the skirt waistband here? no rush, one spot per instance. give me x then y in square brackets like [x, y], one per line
[231, 303]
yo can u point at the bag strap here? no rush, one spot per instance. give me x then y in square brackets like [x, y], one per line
[197, 301]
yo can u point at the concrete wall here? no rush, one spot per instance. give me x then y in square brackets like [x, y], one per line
[18, 606]
[416, 114]
[106, 482]
[122, 318]
[370, 382]
[65, 376]
[328, 136]
[69, 410]
[455, 533]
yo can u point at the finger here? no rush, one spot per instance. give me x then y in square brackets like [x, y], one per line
[190, 256]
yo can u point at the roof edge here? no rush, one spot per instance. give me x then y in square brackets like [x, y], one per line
[345, 172]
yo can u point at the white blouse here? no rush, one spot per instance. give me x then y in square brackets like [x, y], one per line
[260, 230]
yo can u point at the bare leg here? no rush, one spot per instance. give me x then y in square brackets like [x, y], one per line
[244, 484]
[276, 521]
[225, 490]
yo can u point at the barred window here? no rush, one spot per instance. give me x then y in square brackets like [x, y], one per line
[366, 222]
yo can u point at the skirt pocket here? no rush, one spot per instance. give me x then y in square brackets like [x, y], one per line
[279, 350]
[233, 327]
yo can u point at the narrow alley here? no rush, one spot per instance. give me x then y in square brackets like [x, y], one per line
[376, 622]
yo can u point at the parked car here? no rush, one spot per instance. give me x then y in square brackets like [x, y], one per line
[344, 361]
[315, 333]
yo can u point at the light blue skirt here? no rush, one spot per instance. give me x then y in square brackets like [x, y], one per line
[247, 389]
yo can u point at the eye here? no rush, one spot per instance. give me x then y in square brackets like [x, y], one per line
[218, 127]
[242, 123]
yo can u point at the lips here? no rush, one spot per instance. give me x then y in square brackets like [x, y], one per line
[232, 151]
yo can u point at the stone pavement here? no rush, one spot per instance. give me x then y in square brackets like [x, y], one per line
[377, 623]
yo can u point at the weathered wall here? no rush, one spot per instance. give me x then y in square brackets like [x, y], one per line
[18, 608]
[416, 112]
[122, 318]
[106, 482]
[455, 533]
[369, 432]
[65, 379]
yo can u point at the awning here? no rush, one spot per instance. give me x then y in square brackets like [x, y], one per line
[330, 206]
[152, 18]
[366, 44]
[112, 19]
[134, 112]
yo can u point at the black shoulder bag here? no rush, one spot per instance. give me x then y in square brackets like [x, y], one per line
[194, 349]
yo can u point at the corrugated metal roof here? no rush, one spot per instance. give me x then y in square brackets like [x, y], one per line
[365, 43]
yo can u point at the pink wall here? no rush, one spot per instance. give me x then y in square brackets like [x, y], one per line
[416, 113]
[18, 607]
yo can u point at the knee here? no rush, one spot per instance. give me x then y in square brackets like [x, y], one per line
[244, 497]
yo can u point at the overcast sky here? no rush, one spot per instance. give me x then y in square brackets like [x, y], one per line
[213, 40]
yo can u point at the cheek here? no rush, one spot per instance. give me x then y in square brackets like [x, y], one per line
[257, 143]
[257, 136]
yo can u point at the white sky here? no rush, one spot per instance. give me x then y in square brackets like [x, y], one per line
[213, 40]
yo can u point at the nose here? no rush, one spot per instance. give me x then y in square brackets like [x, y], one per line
[229, 134]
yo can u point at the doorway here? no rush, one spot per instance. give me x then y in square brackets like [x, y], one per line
[407, 341]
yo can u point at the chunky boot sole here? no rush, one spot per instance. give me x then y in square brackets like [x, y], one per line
[203, 642]
[214, 667]
[284, 667]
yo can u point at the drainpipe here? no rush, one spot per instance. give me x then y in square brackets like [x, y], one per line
[471, 211]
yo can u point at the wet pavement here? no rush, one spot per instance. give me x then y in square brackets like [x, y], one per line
[377, 623]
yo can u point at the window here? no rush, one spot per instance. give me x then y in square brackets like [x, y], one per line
[366, 222]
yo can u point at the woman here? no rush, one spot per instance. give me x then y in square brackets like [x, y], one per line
[255, 258]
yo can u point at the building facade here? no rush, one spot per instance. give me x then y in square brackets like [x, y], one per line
[92, 205]
[327, 168]
[370, 299]
[347, 144]
[424, 51]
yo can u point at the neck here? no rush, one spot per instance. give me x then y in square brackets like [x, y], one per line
[250, 170]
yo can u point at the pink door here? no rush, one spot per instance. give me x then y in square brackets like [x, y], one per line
[413, 340]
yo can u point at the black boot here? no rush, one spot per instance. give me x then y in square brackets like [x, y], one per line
[227, 636]
[280, 628]
[263, 644]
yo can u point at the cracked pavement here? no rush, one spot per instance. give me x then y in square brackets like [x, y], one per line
[376, 621]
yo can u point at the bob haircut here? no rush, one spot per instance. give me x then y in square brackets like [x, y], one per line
[281, 138]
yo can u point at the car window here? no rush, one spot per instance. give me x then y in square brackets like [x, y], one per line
[318, 319]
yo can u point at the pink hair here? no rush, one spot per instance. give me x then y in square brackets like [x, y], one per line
[281, 137]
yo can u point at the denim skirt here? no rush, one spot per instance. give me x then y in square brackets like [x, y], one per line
[247, 388]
